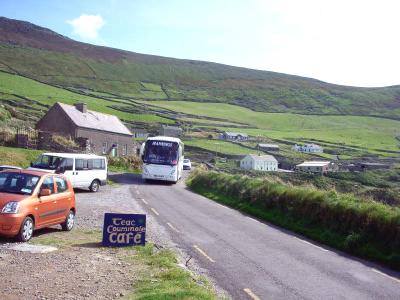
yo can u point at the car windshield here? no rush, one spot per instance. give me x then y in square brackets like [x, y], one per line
[186, 161]
[18, 183]
[161, 152]
[48, 162]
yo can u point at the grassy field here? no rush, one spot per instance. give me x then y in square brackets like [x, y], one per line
[219, 146]
[17, 156]
[374, 134]
[46, 94]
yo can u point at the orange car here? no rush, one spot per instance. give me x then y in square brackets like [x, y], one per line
[31, 200]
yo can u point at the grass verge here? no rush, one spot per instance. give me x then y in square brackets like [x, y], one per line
[157, 273]
[362, 228]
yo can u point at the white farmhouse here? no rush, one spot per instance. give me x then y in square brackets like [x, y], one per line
[308, 148]
[317, 167]
[259, 162]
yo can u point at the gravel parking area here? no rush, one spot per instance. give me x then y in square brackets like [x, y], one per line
[83, 270]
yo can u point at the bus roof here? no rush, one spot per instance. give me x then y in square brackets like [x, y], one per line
[165, 138]
[73, 155]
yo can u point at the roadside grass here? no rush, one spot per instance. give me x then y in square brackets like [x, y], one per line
[18, 156]
[157, 273]
[164, 279]
[362, 228]
[368, 132]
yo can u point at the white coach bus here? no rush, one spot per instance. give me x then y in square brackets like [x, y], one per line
[162, 158]
[84, 170]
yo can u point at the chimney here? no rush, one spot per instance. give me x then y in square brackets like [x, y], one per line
[81, 107]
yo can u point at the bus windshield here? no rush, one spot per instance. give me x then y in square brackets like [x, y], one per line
[161, 152]
[47, 162]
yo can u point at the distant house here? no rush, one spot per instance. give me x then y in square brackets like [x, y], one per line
[103, 133]
[259, 163]
[234, 136]
[308, 148]
[268, 147]
[172, 131]
[316, 167]
[140, 133]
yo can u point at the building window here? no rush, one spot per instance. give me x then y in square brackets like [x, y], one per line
[125, 150]
[105, 147]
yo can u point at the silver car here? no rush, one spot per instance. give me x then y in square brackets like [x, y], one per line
[187, 165]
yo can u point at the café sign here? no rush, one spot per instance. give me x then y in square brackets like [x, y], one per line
[121, 230]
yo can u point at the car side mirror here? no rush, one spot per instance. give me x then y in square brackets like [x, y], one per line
[45, 192]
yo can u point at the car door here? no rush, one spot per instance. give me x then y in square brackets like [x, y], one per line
[63, 197]
[47, 210]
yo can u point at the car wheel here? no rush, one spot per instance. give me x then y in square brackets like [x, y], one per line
[69, 221]
[26, 231]
[94, 186]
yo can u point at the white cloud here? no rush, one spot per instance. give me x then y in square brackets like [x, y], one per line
[87, 26]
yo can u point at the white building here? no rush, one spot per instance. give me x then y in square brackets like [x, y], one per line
[268, 147]
[259, 162]
[316, 167]
[234, 136]
[308, 148]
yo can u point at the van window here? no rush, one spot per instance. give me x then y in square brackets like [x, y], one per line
[81, 164]
[97, 164]
[68, 164]
[61, 185]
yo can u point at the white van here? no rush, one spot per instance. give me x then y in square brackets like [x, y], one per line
[84, 170]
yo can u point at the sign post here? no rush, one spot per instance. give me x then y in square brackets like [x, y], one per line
[121, 230]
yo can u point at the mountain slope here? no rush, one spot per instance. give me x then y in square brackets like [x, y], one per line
[44, 55]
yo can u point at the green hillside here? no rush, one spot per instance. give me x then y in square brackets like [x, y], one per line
[39, 53]
[31, 99]
[374, 134]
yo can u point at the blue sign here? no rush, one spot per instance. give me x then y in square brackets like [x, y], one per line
[122, 230]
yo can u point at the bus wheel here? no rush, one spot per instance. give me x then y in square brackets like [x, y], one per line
[94, 186]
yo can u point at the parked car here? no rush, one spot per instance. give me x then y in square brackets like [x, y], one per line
[7, 167]
[187, 165]
[31, 200]
[84, 170]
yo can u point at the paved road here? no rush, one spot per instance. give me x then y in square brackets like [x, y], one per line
[251, 259]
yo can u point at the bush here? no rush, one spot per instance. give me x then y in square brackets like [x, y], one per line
[64, 141]
[360, 223]
[125, 163]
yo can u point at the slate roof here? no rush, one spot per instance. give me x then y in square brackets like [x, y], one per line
[95, 120]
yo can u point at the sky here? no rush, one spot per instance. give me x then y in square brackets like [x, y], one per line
[349, 42]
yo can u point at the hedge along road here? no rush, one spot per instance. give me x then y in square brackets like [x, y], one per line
[254, 260]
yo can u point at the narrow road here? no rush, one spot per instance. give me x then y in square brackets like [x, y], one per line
[254, 260]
